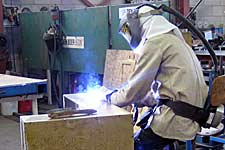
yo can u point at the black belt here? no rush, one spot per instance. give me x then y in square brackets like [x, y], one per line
[186, 110]
[180, 108]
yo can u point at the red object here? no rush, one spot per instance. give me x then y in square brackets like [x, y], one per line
[184, 6]
[25, 106]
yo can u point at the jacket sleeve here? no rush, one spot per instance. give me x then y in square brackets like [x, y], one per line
[140, 80]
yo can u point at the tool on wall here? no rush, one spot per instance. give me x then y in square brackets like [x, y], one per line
[54, 40]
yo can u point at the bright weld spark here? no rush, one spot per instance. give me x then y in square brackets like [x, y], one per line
[93, 97]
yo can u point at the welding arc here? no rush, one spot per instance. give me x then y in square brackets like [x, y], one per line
[90, 4]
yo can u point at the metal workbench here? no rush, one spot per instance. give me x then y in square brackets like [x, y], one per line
[14, 88]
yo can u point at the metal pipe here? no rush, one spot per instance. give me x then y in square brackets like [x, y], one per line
[192, 11]
[184, 6]
[110, 26]
[1, 17]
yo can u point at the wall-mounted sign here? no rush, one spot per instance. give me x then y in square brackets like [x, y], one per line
[124, 10]
[74, 42]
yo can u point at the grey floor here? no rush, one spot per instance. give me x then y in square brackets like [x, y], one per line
[10, 129]
[9, 134]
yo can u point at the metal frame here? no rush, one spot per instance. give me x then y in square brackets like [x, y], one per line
[32, 97]
[15, 88]
[219, 139]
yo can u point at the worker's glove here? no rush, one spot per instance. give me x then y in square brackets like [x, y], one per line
[107, 93]
[152, 97]
[148, 100]
[108, 96]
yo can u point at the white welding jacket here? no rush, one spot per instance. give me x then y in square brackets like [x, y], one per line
[167, 58]
[154, 25]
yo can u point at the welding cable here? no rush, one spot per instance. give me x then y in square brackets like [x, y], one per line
[191, 27]
[191, 12]
[108, 96]
[52, 60]
[195, 30]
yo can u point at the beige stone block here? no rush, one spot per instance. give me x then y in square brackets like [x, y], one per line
[109, 129]
[119, 65]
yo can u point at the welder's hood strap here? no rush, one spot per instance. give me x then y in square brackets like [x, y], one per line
[200, 115]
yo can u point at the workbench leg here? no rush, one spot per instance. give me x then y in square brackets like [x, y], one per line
[34, 106]
[49, 87]
[188, 145]
[64, 105]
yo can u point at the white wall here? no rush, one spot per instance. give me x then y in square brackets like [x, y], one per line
[35, 5]
[210, 12]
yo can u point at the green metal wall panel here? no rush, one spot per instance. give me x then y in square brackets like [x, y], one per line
[118, 42]
[34, 51]
[91, 23]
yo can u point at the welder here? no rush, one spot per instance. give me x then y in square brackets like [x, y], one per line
[167, 71]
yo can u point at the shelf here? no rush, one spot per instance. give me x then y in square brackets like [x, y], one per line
[206, 53]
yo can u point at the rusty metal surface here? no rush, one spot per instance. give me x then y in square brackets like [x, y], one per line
[69, 112]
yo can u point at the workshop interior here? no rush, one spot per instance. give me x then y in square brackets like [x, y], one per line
[60, 60]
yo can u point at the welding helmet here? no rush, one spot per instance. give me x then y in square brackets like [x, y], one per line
[130, 26]
[130, 29]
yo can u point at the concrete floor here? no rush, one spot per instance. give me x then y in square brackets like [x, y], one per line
[9, 134]
[10, 129]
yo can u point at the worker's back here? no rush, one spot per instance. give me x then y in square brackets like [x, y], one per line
[182, 80]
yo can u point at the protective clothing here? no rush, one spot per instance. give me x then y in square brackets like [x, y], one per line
[143, 24]
[130, 29]
[165, 56]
